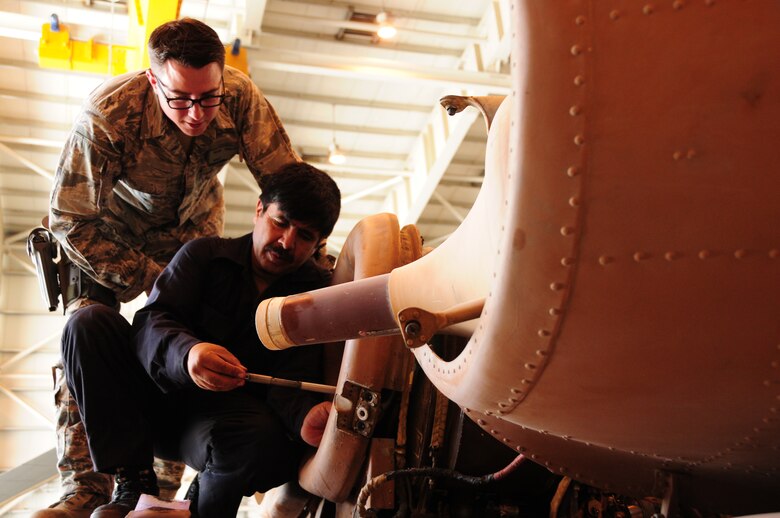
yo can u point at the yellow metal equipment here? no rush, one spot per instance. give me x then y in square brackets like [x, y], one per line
[236, 57]
[57, 50]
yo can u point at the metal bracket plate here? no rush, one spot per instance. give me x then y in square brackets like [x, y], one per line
[362, 417]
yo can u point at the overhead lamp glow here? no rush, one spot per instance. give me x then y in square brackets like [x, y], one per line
[386, 32]
[335, 156]
[386, 28]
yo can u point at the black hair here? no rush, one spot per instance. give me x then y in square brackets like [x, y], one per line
[305, 194]
[188, 41]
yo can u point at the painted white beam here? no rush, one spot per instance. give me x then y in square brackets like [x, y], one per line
[371, 69]
[350, 128]
[453, 179]
[436, 17]
[346, 170]
[57, 99]
[19, 34]
[382, 186]
[432, 156]
[77, 12]
[12, 240]
[24, 263]
[24, 404]
[32, 123]
[82, 25]
[318, 153]
[439, 141]
[245, 177]
[32, 66]
[268, 92]
[450, 208]
[29, 163]
[351, 46]
[275, 18]
[29, 350]
[341, 101]
[30, 141]
[437, 240]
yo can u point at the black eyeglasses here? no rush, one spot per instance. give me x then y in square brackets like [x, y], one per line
[185, 103]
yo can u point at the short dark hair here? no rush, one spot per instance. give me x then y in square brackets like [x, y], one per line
[303, 193]
[188, 41]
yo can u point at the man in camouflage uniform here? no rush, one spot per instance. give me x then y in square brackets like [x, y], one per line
[138, 178]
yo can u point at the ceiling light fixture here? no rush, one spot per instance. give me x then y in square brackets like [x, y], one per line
[335, 156]
[386, 28]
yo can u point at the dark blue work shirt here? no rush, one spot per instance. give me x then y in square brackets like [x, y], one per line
[207, 294]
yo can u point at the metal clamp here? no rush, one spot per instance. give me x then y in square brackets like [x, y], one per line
[418, 325]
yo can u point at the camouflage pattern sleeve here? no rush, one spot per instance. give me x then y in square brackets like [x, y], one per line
[264, 142]
[93, 239]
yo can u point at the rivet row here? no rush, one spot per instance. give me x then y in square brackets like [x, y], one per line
[650, 8]
[673, 255]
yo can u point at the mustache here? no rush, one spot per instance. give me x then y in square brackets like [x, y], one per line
[283, 253]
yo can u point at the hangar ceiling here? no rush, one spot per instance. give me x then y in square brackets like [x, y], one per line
[330, 78]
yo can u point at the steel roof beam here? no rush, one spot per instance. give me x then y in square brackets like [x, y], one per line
[329, 38]
[275, 18]
[434, 17]
[372, 69]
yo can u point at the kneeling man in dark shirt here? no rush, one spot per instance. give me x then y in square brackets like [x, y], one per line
[187, 398]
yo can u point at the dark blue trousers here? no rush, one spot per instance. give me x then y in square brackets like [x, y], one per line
[233, 439]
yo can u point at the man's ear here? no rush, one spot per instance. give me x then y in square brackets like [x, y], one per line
[150, 77]
[258, 210]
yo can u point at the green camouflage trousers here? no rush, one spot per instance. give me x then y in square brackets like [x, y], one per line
[74, 462]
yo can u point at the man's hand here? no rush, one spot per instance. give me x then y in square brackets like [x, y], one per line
[314, 423]
[212, 367]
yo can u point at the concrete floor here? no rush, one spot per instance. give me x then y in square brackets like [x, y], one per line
[50, 492]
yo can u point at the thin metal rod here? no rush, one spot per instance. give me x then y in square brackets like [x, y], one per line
[281, 382]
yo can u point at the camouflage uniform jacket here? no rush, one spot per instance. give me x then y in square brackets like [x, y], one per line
[127, 193]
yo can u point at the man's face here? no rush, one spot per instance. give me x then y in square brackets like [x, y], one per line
[281, 245]
[174, 80]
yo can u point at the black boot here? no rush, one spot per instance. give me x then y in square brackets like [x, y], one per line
[130, 483]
